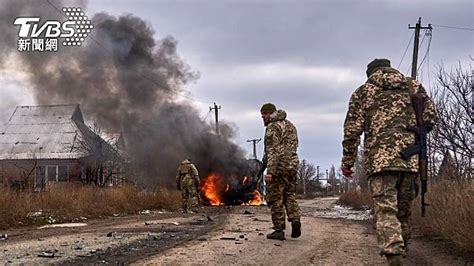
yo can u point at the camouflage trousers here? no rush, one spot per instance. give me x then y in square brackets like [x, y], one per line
[281, 195]
[189, 196]
[393, 192]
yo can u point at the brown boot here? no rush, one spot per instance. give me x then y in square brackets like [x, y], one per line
[395, 260]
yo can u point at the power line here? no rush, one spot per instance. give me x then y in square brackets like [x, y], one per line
[428, 32]
[168, 90]
[453, 27]
[406, 49]
[427, 50]
[205, 116]
[429, 71]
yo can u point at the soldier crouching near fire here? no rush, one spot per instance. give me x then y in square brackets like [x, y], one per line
[187, 180]
[382, 110]
[281, 143]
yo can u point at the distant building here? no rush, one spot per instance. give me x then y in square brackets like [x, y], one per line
[41, 145]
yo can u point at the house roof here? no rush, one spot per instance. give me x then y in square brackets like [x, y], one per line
[44, 132]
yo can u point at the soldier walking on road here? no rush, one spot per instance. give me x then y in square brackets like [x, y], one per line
[281, 158]
[382, 110]
[187, 180]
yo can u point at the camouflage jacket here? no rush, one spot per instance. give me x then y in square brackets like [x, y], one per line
[382, 110]
[187, 173]
[281, 144]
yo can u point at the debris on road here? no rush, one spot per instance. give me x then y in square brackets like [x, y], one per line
[228, 238]
[4, 237]
[51, 220]
[154, 236]
[247, 212]
[35, 214]
[62, 225]
[47, 253]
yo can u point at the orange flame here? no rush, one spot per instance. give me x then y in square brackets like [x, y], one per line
[211, 188]
[257, 198]
[214, 189]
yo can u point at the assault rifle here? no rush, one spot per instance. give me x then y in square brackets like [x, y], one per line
[421, 129]
[263, 166]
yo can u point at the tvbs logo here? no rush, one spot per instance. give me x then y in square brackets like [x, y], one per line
[44, 37]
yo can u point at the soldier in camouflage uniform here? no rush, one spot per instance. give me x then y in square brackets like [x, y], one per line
[381, 109]
[281, 143]
[187, 180]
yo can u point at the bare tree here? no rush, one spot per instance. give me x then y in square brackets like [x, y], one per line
[453, 96]
[306, 173]
[101, 157]
[447, 168]
[26, 170]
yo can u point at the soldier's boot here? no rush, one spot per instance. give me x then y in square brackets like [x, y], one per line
[295, 229]
[395, 260]
[277, 235]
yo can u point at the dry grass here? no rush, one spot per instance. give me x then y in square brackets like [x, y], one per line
[450, 214]
[357, 200]
[68, 202]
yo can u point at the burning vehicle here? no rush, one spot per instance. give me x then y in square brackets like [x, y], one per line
[246, 188]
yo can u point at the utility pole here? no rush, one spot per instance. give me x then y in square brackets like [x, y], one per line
[327, 182]
[317, 172]
[216, 113]
[254, 141]
[414, 63]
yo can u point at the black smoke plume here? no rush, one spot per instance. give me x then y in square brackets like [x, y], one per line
[128, 82]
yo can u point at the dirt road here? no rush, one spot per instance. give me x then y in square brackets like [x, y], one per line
[223, 235]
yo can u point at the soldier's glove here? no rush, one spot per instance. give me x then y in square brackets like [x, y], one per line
[347, 172]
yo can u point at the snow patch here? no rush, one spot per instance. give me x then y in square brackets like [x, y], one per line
[341, 212]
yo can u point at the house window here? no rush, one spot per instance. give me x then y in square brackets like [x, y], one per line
[63, 173]
[52, 172]
[57, 173]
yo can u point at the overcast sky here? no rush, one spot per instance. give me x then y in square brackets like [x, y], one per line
[307, 57]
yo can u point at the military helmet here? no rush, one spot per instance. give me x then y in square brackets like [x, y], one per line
[268, 108]
[376, 64]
